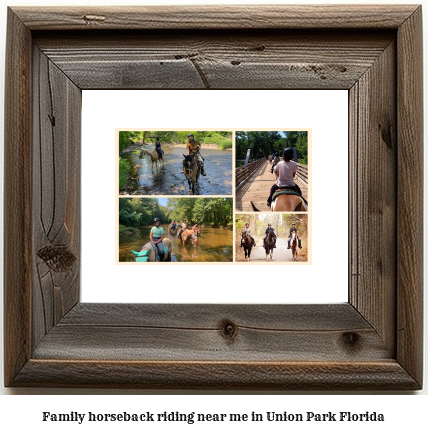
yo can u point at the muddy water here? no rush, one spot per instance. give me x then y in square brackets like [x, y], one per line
[169, 179]
[213, 245]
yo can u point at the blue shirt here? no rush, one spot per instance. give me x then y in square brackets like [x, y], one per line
[268, 230]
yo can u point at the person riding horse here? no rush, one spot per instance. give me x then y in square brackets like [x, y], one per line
[195, 146]
[183, 227]
[286, 171]
[268, 229]
[174, 224]
[276, 160]
[294, 229]
[158, 147]
[248, 231]
[156, 238]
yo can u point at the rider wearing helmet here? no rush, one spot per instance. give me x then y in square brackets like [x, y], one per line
[183, 227]
[268, 229]
[248, 231]
[276, 160]
[156, 238]
[294, 229]
[286, 171]
[195, 146]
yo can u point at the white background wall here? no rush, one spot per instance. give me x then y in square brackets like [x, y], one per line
[402, 412]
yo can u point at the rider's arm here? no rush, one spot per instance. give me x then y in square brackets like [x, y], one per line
[151, 236]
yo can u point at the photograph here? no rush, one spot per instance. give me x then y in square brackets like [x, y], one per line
[175, 163]
[272, 172]
[271, 237]
[175, 230]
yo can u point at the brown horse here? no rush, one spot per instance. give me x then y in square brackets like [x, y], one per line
[293, 244]
[187, 235]
[153, 155]
[247, 244]
[268, 245]
[288, 202]
[191, 170]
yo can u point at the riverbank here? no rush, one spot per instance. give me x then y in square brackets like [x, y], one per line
[138, 147]
[211, 146]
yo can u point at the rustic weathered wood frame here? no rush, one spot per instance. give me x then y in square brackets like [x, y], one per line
[372, 342]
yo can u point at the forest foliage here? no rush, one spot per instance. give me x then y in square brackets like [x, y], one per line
[141, 211]
[264, 143]
[280, 222]
[223, 139]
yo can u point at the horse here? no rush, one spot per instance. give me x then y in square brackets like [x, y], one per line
[173, 231]
[196, 231]
[268, 245]
[293, 245]
[153, 155]
[247, 244]
[148, 254]
[191, 170]
[288, 202]
[187, 235]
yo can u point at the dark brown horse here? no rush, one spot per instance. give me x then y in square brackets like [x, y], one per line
[192, 170]
[173, 231]
[247, 244]
[268, 245]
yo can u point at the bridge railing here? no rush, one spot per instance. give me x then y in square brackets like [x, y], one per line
[302, 173]
[244, 172]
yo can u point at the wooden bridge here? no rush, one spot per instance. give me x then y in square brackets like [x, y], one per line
[254, 181]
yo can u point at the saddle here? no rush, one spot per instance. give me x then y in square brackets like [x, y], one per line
[285, 190]
[143, 254]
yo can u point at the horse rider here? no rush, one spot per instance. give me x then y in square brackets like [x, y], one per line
[286, 172]
[195, 146]
[276, 160]
[183, 227]
[158, 147]
[248, 232]
[268, 229]
[174, 224]
[294, 229]
[156, 238]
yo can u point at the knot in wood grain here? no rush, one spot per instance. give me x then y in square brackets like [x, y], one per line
[351, 340]
[228, 329]
[386, 134]
[58, 259]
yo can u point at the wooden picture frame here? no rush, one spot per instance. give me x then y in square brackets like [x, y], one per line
[372, 342]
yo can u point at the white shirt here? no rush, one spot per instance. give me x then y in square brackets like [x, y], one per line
[286, 170]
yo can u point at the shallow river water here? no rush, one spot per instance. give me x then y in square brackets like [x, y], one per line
[213, 245]
[169, 179]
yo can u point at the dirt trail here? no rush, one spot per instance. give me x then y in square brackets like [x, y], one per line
[280, 254]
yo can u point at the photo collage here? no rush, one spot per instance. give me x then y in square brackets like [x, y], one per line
[235, 196]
